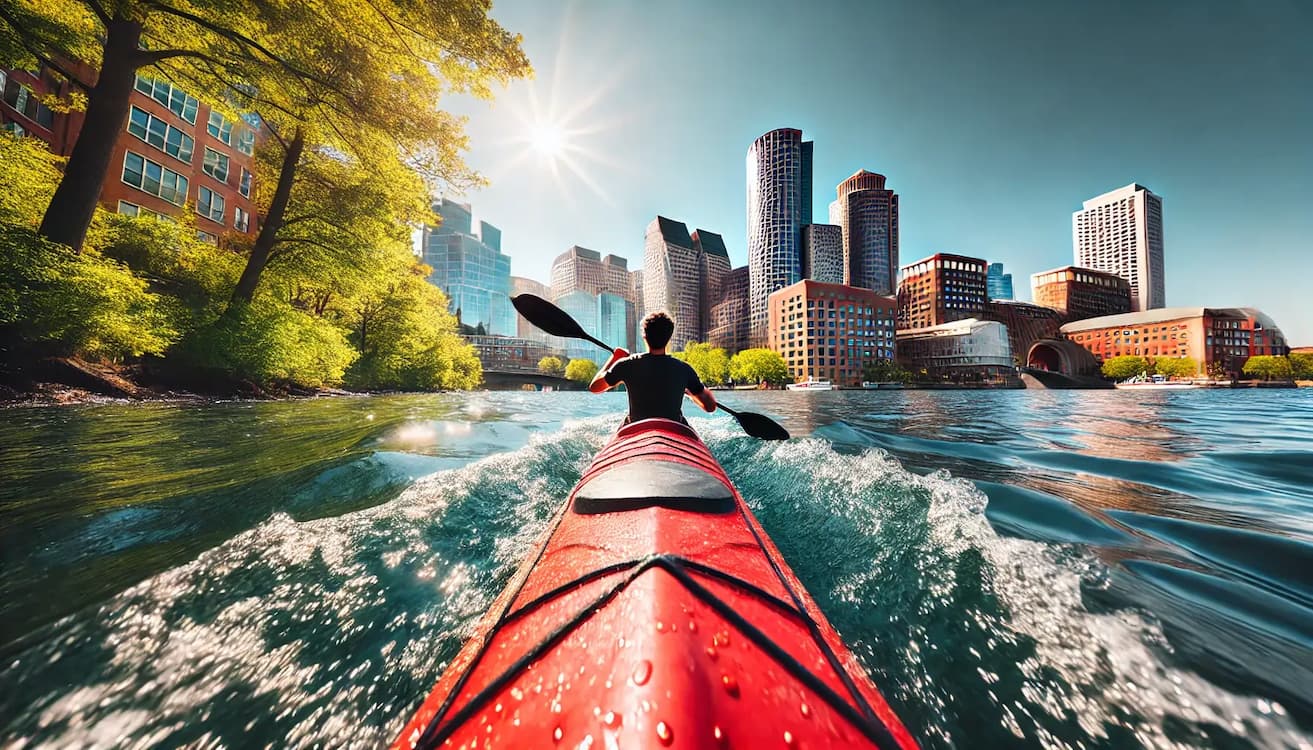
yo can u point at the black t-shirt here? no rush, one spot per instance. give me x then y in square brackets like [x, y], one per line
[656, 384]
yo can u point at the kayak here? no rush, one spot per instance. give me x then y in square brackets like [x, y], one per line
[656, 613]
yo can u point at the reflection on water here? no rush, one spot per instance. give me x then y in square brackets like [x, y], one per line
[298, 573]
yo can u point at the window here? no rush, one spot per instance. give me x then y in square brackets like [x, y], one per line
[207, 237]
[22, 99]
[178, 101]
[160, 134]
[215, 165]
[220, 128]
[129, 209]
[209, 204]
[241, 219]
[246, 142]
[153, 178]
[244, 187]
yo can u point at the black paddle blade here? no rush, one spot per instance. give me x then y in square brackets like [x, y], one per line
[761, 426]
[550, 318]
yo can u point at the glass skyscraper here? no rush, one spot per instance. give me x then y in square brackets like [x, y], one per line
[779, 166]
[470, 269]
[998, 284]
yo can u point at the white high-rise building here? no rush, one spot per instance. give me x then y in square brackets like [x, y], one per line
[1121, 232]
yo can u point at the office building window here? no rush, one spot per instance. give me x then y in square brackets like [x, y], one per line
[160, 134]
[22, 99]
[220, 128]
[209, 204]
[215, 165]
[246, 142]
[244, 187]
[153, 178]
[178, 101]
[241, 219]
[129, 209]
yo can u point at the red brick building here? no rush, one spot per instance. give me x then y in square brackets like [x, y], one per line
[941, 289]
[1080, 293]
[1225, 336]
[175, 153]
[828, 331]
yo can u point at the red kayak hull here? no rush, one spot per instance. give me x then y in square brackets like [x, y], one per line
[656, 613]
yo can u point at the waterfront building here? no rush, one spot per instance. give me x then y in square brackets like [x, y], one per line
[1121, 232]
[1080, 293]
[523, 328]
[998, 285]
[615, 315]
[779, 182]
[867, 214]
[583, 307]
[828, 331]
[1222, 336]
[822, 253]
[474, 274]
[672, 278]
[581, 269]
[175, 153]
[941, 289]
[713, 258]
[729, 317]
[510, 353]
[636, 325]
[961, 350]
[1025, 323]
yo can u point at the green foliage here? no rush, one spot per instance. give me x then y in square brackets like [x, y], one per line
[29, 174]
[1121, 368]
[407, 339]
[711, 363]
[1301, 365]
[85, 305]
[581, 370]
[1268, 367]
[885, 371]
[271, 342]
[1181, 367]
[756, 365]
[552, 366]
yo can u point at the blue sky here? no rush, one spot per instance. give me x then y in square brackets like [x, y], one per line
[992, 120]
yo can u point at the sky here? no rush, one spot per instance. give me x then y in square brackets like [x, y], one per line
[993, 121]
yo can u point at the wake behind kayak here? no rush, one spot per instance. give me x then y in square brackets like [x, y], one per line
[656, 613]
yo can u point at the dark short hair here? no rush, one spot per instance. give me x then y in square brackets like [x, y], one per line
[657, 329]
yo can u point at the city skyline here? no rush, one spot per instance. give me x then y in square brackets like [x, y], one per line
[997, 182]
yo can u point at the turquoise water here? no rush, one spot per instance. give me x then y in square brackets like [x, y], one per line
[1015, 569]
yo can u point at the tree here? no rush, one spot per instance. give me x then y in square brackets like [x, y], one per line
[1176, 367]
[711, 363]
[757, 365]
[1121, 368]
[30, 174]
[885, 371]
[1301, 365]
[1268, 367]
[581, 370]
[266, 57]
[552, 366]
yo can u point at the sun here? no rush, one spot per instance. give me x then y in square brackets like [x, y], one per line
[548, 139]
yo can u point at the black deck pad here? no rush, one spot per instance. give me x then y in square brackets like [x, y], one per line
[644, 483]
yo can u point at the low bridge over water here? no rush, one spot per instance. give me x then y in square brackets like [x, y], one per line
[514, 380]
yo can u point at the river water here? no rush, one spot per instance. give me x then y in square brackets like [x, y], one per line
[1015, 568]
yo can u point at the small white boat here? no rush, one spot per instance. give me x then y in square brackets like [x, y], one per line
[811, 384]
[1150, 386]
[882, 385]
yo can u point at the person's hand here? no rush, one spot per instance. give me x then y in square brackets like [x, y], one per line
[617, 355]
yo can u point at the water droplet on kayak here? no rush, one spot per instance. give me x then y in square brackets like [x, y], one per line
[661, 626]
[587, 743]
[517, 694]
[557, 734]
[674, 628]
[788, 738]
[664, 733]
[806, 710]
[642, 672]
[731, 685]
[721, 639]
[692, 626]
[711, 652]
[721, 739]
[497, 708]
[612, 719]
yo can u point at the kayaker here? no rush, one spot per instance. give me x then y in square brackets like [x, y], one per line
[656, 381]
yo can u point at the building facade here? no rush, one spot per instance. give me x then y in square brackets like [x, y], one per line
[960, 351]
[1121, 232]
[474, 274]
[714, 260]
[1080, 293]
[998, 285]
[779, 182]
[822, 253]
[867, 213]
[580, 269]
[729, 317]
[1025, 323]
[941, 289]
[510, 353]
[828, 331]
[174, 154]
[523, 328]
[1224, 337]
[672, 278]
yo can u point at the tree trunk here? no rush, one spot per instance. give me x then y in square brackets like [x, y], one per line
[269, 226]
[74, 204]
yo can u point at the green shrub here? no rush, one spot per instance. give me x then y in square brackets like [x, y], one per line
[271, 343]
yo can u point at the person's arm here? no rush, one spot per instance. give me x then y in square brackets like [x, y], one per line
[604, 380]
[699, 392]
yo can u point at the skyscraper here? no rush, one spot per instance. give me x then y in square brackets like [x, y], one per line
[729, 316]
[474, 274]
[672, 278]
[779, 204]
[714, 260]
[1121, 232]
[997, 283]
[822, 253]
[523, 328]
[868, 214]
[582, 270]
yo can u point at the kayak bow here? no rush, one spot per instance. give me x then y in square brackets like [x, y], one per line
[656, 613]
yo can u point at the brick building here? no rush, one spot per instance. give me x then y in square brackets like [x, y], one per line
[1222, 336]
[941, 289]
[1080, 293]
[1026, 324]
[828, 331]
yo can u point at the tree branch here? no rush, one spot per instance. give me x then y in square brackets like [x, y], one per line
[24, 35]
[100, 11]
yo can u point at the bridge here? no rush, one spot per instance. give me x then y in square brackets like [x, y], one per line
[514, 380]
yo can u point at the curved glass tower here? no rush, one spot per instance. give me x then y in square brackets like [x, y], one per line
[779, 166]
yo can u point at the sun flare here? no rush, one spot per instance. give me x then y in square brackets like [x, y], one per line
[548, 139]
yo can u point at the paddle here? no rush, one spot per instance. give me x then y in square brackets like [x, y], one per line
[557, 322]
